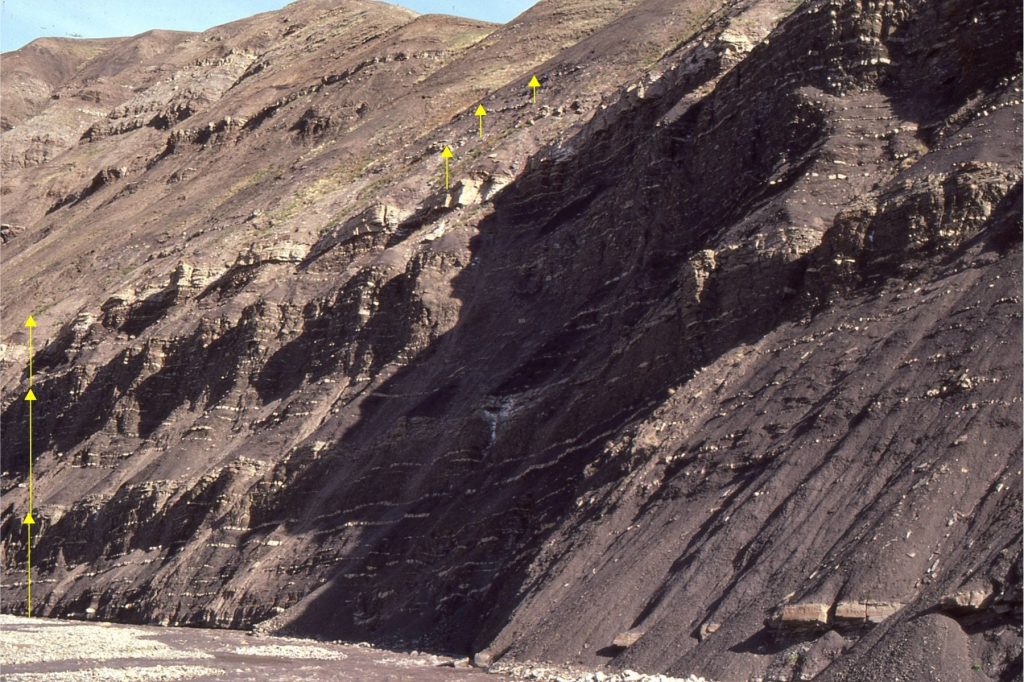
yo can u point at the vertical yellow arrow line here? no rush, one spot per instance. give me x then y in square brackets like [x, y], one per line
[29, 518]
[446, 154]
[30, 456]
[29, 527]
[480, 113]
[29, 521]
[30, 397]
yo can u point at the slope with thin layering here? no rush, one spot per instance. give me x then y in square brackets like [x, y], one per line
[708, 361]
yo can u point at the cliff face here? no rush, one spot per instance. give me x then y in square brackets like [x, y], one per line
[709, 362]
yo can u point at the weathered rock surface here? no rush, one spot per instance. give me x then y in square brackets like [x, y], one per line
[728, 324]
[804, 615]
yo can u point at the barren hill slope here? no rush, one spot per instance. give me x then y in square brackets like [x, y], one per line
[708, 362]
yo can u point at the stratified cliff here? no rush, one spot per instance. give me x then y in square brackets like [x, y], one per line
[709, 361]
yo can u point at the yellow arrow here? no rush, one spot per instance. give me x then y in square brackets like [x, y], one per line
[446, 154]
[31, 324]
[30, 398]
[29, 521]
[533, 85]
[480, 113]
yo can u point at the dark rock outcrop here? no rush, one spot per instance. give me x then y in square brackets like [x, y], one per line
[709, 362]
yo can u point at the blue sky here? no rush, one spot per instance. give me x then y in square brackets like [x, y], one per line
[22, 21]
